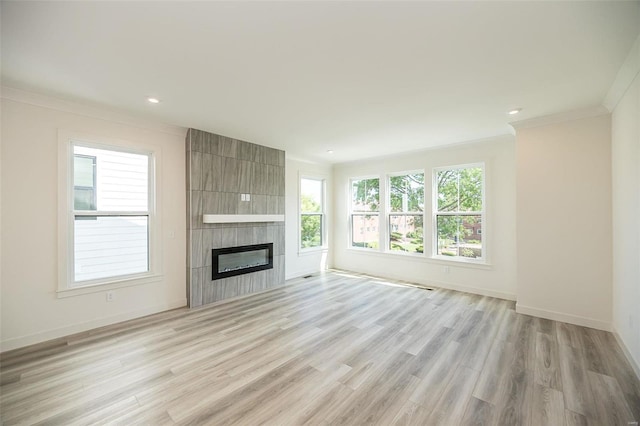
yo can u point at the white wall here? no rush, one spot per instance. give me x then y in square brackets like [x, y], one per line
[31, 310]
[299, 263]
[564, 221]
[626, 219]
[498, 278]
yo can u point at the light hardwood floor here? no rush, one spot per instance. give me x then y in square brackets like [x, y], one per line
[333, 349]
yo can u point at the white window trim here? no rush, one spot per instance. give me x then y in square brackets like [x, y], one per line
[484, 260]
[381, 212]
[323, 225]
[66, 141]
[388, 213]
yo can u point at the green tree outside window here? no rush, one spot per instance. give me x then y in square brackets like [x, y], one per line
[311, 213]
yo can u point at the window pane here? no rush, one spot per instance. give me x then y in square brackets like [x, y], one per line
[83, 171]
[365, 195]
[311, 230]
[471, 236]
[460, 190]
[84, 185]
[447, 230]
[84, 198]
[407, 193]
[471, 189]
[460, 236]
[311, 195]
[448, 190]
[365, 230]
[122, 179]
[406, 233]
[110, 246]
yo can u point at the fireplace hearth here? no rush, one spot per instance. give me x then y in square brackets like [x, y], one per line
[232, 261]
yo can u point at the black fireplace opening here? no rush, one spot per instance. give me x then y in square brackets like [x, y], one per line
[232, 261]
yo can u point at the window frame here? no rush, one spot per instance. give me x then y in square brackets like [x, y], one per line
[379, 213]
[435, 213]
[67, 286]
[389, 213]
[323, 222]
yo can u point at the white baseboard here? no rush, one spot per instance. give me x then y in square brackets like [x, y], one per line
[299, 274]
[562, 317]
[439, 284]
[19, 342]
[473, 290]
[627, 353]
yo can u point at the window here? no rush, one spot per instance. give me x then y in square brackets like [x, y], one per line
[110, 206]
[406, 217]
[459, 211]
[365, 205]
[311, 213]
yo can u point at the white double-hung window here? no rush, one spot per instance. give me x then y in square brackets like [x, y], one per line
[406, 212]
[459, 211]
[365, 213]
[108, 221]
[312, 217]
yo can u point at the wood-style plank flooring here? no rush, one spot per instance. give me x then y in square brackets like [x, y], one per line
[332, 349]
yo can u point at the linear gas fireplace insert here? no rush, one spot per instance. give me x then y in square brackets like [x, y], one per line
[232, 261]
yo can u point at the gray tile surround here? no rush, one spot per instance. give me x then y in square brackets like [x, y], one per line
[219, 170]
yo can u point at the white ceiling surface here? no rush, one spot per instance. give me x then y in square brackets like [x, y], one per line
[361, 78]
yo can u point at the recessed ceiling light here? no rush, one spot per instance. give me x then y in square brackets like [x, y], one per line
[515, 111]
[154, 100]
[329, 151]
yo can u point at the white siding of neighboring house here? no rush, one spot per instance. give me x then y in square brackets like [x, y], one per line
[107, 246]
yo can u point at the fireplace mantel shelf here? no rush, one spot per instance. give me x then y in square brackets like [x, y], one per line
[242, 218]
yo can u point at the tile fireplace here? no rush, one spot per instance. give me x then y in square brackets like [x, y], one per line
[236, 199]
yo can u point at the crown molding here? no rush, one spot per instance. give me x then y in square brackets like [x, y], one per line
[627, 73]
[45, 101]
[560, 117]
[507, 137]
[308, 160]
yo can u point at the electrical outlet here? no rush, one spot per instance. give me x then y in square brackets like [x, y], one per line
[110, 296]
[445, 269]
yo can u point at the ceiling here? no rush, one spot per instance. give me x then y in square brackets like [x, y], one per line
[363, 79]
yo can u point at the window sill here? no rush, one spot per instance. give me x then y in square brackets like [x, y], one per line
[365, 250]
[110, 285]
[404, 253]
